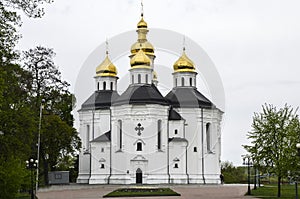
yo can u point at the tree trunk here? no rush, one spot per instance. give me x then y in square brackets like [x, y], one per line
[279, 187]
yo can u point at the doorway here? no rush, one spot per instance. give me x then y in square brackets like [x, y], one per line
[139, 176]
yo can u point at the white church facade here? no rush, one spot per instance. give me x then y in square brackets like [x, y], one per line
[140, 136]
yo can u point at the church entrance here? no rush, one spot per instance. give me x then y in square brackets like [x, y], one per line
[139, 176]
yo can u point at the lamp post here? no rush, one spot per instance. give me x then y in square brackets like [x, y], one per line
[31, 164]
[296, 180]
[39, 146]
[248, 163]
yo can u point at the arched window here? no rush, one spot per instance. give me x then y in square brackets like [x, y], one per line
[195, 149]
[104, 85]
[139, 78]
[176, 132]
[191, 81]
[159, 134]
[208, 137]
[119, 135]
[182, 81]
[139, 146]
[132, 79]
[98, 85]
[111, 85]
[102, 166]
[175, 82]
[175, 165]
[146, 77]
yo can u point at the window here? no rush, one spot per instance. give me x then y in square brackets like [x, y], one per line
[98, 85]
[176, 132]
[104, 85]
[159, 134]
[176, 165]
[87, 141]
[208, 137]
[191, 81]
[182, 81]
[119, 135]
[102, 166]
[175, 82]
[146, 77]
[139, 146]
[132, 79]
[139, 78]
[111, 85]
[102, 150]
[195, 149]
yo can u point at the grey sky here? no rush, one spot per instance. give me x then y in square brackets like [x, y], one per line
[254, 44]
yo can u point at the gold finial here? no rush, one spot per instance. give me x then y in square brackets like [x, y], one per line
[183, 43]
[106, 46]
[142, 8]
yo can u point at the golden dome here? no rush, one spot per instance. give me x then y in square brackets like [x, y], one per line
[140, 59]
[142, 23]
[106, 68]
[184, 64]
[145, 46]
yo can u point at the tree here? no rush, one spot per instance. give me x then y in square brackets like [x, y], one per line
[274, 135]
[231, 173]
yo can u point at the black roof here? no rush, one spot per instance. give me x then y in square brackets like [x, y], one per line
[103, 138]
[141, 94]
[173, 115]
[100, 100]
[188, 97]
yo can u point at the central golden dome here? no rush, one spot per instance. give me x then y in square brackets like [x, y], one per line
[140, 60]
[106, 68]
[184, 64]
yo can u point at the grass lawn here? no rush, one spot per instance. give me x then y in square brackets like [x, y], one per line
[270, 192]
[142, 191]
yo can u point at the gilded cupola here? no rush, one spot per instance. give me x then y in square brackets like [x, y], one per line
[184, 64]
[142, 42]
[140, 60]
[106, 68]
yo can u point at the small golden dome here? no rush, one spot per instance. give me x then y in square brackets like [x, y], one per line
[145, 46]
[106, 68]
[140, 59]
[142, 23]
[154, 75]
[184, 64]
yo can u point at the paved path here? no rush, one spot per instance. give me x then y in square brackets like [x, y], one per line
[186, 191]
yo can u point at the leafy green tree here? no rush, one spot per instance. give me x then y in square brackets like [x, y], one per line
[231, 173]
[274, 135]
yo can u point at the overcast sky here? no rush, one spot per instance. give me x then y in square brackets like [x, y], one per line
[254, 44]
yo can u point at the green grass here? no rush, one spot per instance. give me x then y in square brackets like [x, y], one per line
[270, 192]
[141, 191]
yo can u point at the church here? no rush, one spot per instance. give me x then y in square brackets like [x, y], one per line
[142, 137]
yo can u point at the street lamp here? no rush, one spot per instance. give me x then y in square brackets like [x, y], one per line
[248, 163]
[39, 146]
[31, 164]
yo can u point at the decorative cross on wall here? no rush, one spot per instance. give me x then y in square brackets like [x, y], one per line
[139, 128]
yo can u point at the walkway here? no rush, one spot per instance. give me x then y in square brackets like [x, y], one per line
[186, 191]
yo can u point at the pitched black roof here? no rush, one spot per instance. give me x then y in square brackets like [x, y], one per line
[103, 138]
[173, 115]
[141, 94]
[100, 100]
[187, 97]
